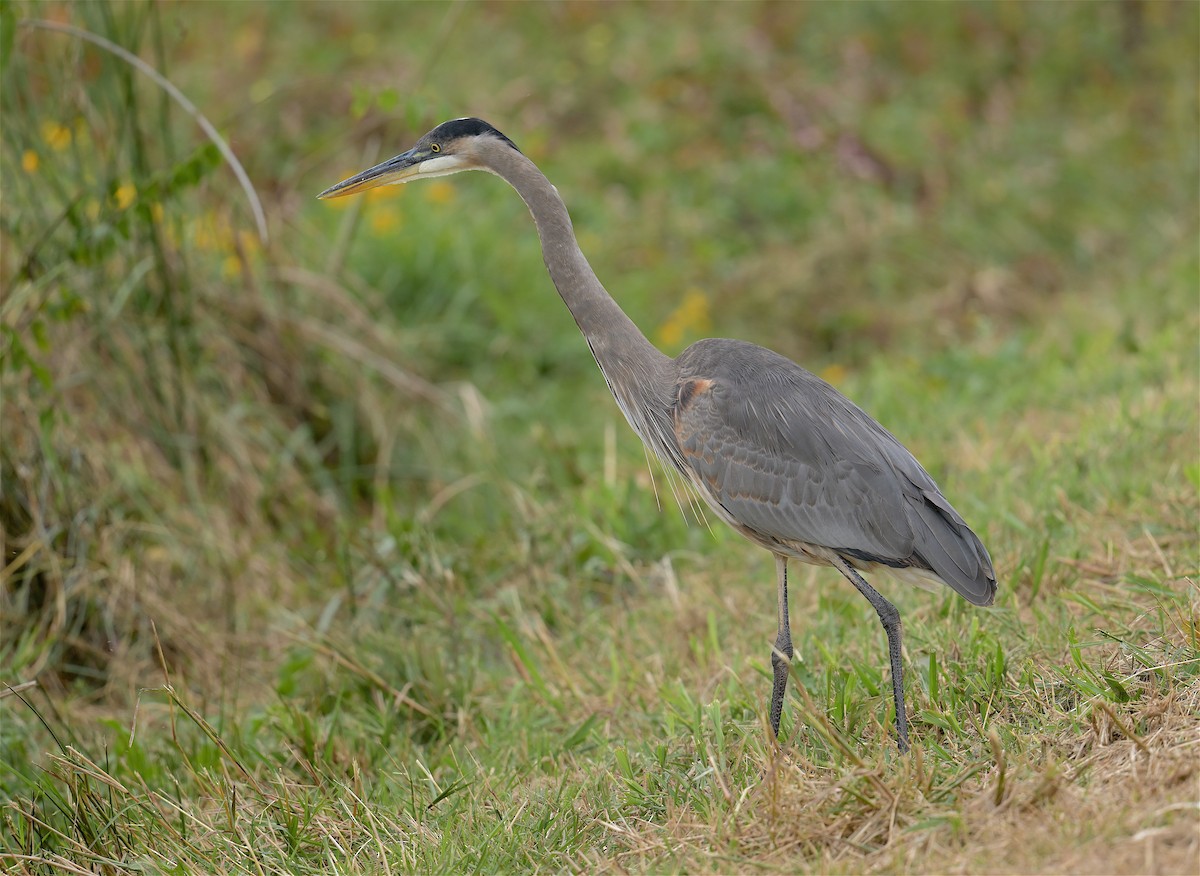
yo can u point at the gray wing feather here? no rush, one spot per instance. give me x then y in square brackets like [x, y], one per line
[792, 459]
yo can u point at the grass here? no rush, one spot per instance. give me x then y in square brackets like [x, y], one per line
[328, 553]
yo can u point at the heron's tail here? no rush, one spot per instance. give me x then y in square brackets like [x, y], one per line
[944, 543]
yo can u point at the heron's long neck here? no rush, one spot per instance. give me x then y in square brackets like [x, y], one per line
[635, 369]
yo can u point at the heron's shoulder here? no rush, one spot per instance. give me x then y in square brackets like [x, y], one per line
[738, 361]
[770, 401]
[748, 371]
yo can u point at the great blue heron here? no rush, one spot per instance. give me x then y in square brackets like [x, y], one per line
[779, 454]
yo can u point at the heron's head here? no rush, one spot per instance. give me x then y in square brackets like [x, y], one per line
[461, 144]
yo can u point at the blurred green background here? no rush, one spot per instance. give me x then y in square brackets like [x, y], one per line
[358, 493]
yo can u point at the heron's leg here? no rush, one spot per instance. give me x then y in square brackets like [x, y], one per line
[781, 654]
[890, 618]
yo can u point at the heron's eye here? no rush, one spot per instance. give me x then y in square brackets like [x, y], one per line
[434, 147]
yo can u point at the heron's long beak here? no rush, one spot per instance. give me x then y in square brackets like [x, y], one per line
[394, 171]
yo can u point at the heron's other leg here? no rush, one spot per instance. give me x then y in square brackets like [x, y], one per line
[890, 618]
[781, 655]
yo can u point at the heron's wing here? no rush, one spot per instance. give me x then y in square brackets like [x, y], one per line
[790, 458]
[791, 468]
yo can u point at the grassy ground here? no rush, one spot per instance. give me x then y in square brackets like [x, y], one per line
[330, 554]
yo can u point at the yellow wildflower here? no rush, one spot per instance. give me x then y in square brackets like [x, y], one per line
[384, 220]
[248, 241]
[57, 137]
[690, 318]
[439, 192]
[125, 195]
[211, 233]
[834, 373]
[383, 193]
[203, 236]
[231, 267]
[29, 161]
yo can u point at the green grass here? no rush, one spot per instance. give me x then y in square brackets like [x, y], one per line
[331, 554]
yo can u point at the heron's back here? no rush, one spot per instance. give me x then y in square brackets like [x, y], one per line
[789, 460]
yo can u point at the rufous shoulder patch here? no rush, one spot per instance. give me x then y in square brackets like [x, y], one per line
[689, 389]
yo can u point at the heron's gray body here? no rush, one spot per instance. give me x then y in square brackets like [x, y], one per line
[795, 466]
[781, 455]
